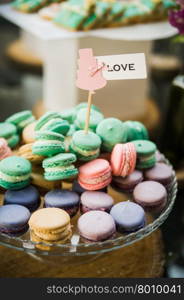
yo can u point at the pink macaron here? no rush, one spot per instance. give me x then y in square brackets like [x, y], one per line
[5, 151]
[123, 159]
[95, 174]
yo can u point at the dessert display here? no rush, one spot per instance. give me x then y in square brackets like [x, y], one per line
[52, 192]
[84, 15]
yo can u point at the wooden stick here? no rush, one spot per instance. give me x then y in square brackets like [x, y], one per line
[88, 112]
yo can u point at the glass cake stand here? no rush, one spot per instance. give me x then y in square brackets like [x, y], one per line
[78, 250]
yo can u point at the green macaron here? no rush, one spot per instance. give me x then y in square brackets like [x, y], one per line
[145, 154]
[136, 131]
[46, 118]
[21, 119]
[81, 106]
[85, 145]
[95, 118]
[72, 130]
[48, 143]
[60, 167]
[8, 131]
[68, 115]
[112, 131]
[57, 125]
[15, 172]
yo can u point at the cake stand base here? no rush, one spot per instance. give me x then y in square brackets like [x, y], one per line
[142, 259]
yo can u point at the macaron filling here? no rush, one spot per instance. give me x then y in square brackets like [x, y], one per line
[84, 152]
[13, 179]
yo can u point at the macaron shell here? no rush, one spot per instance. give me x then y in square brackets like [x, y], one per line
[95, 168]
[47, 219]
[97, 200]
[96, 225]
[128, 216]
[149, 193]
[144, 147]
[61, 198]
[89, 141]
[160, 172]
[13, 217]
[28, 134]
[15, 166]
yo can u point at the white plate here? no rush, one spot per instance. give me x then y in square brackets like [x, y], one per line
[46, 30]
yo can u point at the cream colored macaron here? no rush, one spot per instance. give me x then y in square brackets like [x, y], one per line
[28, 134]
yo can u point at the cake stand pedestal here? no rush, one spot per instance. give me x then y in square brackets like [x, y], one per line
[58, 51]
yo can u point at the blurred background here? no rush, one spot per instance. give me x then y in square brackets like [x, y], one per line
[21, 82]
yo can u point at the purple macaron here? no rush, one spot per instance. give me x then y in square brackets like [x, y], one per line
[128, 216]
[151, 195]
[160, 172]
[28, 197]
[77, 188]
[159, 157]
[96, 226]
[14, 219]
[64, 199]
[93, 200]
[128, 183]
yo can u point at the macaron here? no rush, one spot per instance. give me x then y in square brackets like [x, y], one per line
[128, 183]
[95, 174]
[160, 158]
[76, 187]
[68, 115]
[64, 199]
[95, 118]
[145, 154]
[95, 200]
[43, 185]
[15, 172]
[111, 131]
[26, 152]
[48, 143]
[5, 151]
[57, 125]
[128, 216]
[123, 159]
[13, 219]
[85, 145]
[96, 226]
[28, 197]
[50, 115]
[60, 167]
[151, 195]
[8, 131]
[160, 172]
[21, 119]
[50, 225]
[82, 105]
[71, 131]
[28, 133]
[136, 131]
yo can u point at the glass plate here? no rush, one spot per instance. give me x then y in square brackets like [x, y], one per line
[78, 247]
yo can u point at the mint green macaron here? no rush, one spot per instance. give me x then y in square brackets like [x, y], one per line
[48, 143]
[85, 146]
[68, 115]
[45, 119]
[57, 125]
[111, 131]
[136, 131]
[15, 172]
[8, 131]
[95, 118]
[81, 106]
[60, 167]
[146, 150]
[21, 119]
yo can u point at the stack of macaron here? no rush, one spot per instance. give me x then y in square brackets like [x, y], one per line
[56, 148]
[13, 126]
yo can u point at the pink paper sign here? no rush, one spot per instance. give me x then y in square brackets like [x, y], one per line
[89, 74]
